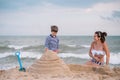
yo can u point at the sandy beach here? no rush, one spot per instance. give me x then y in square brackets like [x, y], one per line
[51, 67]
[79, 72]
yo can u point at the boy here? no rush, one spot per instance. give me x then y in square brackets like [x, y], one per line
[52, 41]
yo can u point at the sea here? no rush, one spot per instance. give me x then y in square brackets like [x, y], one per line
[72, 49]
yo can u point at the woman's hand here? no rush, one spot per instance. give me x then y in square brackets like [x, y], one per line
[96, 58]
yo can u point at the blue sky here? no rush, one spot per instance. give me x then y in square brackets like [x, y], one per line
[73, 17]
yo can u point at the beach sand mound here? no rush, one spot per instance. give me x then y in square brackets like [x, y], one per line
[50, 63]
[99, 72]
[81, 72]
[15, 74]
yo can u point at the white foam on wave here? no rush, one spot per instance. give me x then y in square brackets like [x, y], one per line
[114, 59]
[72, 45]
[85, 46]
[66, 55]
[2, 55]
[22, 55]
[17, 47]
[30, 55]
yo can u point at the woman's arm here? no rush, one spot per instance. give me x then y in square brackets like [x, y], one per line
[107, 52]
[90, 54]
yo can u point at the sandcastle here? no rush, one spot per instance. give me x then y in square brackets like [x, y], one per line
[49, 63]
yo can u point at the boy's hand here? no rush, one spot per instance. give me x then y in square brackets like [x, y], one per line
[46, 49]
[57, 50]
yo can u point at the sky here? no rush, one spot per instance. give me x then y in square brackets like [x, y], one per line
[73, 17]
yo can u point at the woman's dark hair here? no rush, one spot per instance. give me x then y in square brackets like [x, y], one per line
[54, 28]
[101, 35]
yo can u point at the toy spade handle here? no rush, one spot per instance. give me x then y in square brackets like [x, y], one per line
[19, 60]
[20, 63]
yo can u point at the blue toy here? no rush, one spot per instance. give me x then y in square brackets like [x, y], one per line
[20, 63]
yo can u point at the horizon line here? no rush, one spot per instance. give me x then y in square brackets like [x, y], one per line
[57, 35]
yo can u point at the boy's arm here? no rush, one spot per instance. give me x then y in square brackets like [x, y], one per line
[58, 46]
[47, 44]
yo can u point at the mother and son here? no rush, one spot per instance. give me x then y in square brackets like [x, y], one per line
[97, 50]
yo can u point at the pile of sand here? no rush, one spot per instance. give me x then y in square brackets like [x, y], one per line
[50, 63]
[81, 72]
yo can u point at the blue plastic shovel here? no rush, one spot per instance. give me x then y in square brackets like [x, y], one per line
[20, 63]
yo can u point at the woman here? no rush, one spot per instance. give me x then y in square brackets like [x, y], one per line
[99, 49]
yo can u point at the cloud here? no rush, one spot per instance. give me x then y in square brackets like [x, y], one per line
[107, 18]
[107, 11]
[116, 14]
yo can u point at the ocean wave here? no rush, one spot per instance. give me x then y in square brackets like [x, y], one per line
[114, 59]
[34, 47]
[85, 46]
[2, 55]
[30, 55]
[18, 47]
[66, 55]
[63, 47]
[9, 48]
[72, 45]
[76, 46]
[22, 55]
[5, 48]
